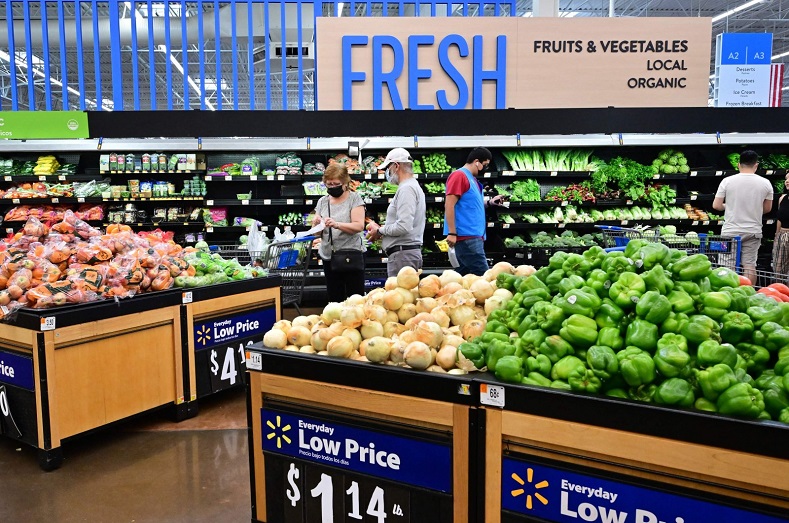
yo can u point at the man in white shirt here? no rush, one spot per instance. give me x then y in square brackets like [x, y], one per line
[745, 198]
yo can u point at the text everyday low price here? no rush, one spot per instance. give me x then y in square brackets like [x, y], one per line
[227, 328]
[605, 514]
[350, 449]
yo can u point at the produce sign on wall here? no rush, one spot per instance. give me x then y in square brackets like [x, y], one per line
[406, 461]
[500, 63]
[556, 495]
[26, 125]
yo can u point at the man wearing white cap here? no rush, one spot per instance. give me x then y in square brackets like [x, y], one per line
[405, 217]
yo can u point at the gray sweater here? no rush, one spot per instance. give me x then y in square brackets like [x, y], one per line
[405, 217]
[342, 214]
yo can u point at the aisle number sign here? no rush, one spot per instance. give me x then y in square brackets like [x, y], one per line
[500, 63]
[551, 494]
[406, 461]
[744, 75]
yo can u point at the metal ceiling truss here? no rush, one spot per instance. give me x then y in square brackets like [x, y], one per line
[245, 72]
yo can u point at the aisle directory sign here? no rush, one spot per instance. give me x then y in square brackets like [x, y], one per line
[744, 76]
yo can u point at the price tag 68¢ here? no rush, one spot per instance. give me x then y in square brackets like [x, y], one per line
[492, 395]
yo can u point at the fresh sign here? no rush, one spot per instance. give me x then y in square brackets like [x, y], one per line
[550, 494]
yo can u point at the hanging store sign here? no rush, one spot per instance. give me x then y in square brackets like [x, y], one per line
[536, 491]
[744, 76]
[500, 63]
[30, 125]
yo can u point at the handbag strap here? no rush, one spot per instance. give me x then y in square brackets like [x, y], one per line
[328, 212]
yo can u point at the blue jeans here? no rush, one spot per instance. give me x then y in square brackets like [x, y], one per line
[471, 256]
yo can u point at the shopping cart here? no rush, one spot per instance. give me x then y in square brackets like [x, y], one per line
[290, 260]
[778, 269]
[617, 237]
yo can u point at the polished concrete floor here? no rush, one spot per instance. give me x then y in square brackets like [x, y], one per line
[144, 470]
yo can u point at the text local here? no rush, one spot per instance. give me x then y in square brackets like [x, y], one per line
[415, 74]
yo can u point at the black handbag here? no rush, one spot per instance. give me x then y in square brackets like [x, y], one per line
[344, 260]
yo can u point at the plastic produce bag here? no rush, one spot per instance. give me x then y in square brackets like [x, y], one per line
[453, 259]
[257, 243]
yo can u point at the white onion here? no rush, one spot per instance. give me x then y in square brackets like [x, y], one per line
[441, 317]
[436, 368]
[378, 349]
[469, 279]
[425, 304]
[450, 288]
[393, 327]
[302, 321]
[450, 276]
[392, 316]
[493, 303]
[335, 329]
[331, 313]
[354, 336]
[429, 286]
[479, 313]
[501, 267]
[420, 317]
[275, 338]
[371, 329]
[352, 316]
[429, 333]
[292, 348]
[320, 339]
[473, 329]
[407, 337]
[307, 349]
[299, 336]
[323, 353]
[407, 278]
[375, 313]
[375, 297]
[340, 347]
[446, 357]
[393, 300]
[481, 290]
[415, 294]
[524, 271]
[418, 355]
[406, 312]
[452, 339]
[354, 299]
[406, 294]
[283, 325]
[391, 283]
[462, 314]
[504, 293]
[397, 352]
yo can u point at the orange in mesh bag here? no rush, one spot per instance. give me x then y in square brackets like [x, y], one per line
[52, 293]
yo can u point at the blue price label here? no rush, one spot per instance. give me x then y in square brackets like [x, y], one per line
[746, 48]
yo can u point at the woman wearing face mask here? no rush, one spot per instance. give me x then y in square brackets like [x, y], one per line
[781, 244]
[342, 212]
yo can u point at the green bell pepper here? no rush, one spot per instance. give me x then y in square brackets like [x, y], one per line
[634, 246]
[782, 367]
[741, 399]
[598, 280]
[766, 311]
[714, 380]
[675, 391]
[509, 369]
[769, 380]
[516, 318]
[529, 322]
[602, 361]
[653, 307]
[609, 314]
[657, 279]
[756, 357]
[736, 327]
[501, 315]
[539, 363]
[777, 337]
[490, 337]
[579, 331]
[644, 393]
[549, 316]
[723, 277]
[555, 348]
[536, 379]
[497, 326]
[595, 256]
[700, 329]
[507, 281]
[642, 334]
[674, 255]
[553, 280]
[690, 287]
[472, 352]
[674, 323]
[497, 350]
[617, 393]
[711, 353]
[714, 304]
[584, 380]
[681, 302]
[627, 290]
[530, 341]
[775, 396]
[526, 299]
[636, 366]
[739, 298]
[691, 268]
[576, 264]
[561, 385]
[783, 417]
[611, 337]
[556, 261]
[672, 358]
[570, 282]
[616, 263]
[650, 255]
[578, 301]
[705, 405]
[562, 369]
[542, 274]
[531, 283]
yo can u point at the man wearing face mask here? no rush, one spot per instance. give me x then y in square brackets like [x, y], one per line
[405, 218]
[464, 208]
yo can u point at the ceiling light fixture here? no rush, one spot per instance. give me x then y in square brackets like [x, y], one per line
[737, 9]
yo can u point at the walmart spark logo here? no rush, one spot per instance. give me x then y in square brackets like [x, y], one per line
[529, 478]
[203, 335]
[278, 428]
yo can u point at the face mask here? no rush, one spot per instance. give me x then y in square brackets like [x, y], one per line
[482, 168]
[392, 178]
[335, 191]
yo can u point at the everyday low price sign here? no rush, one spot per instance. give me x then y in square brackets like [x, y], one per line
[550, 494]
[16, 370]
[406, 461]
[28, 125]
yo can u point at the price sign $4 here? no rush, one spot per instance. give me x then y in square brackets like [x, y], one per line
[323, 492]
[230, 363]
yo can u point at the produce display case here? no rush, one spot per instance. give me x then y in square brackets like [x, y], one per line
[558, 456]
[336, 440]
[69, 370]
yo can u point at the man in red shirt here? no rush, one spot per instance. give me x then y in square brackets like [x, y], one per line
[464, 208]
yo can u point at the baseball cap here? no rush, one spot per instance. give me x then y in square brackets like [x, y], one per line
[396, 155]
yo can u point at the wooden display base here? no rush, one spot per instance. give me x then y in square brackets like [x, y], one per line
[732, 474]
[382, 407]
